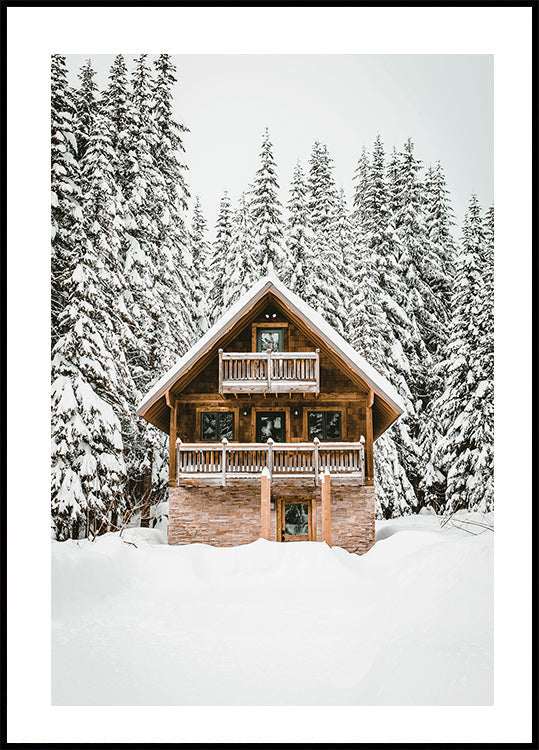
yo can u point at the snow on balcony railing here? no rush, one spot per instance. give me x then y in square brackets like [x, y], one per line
[269, 372]
[226, 460]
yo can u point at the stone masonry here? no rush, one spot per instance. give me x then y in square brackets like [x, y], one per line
[230, 515]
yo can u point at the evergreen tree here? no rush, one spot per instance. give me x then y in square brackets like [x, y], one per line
[200, 250]
[266, 212]
[221, 252]
[361, 180]
[177, 280]
[439, 267]
[117, 104]
[466, 406]
[346, 259]
[301, 268]
[66, 214]
[377, 322]
[325, 249]
[86, 104]
[241, 270]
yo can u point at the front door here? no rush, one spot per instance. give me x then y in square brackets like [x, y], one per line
[270, 424]
[294, 520]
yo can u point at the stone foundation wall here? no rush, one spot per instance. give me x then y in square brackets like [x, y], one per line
[230, 515]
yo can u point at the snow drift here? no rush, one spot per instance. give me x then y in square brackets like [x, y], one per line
[142, 623]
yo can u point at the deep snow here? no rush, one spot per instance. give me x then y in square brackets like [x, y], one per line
[409, 623]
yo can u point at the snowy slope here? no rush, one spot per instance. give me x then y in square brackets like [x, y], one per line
[411, 622]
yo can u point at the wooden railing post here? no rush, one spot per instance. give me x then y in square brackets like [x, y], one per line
[223, 461]
[316, 443]
[362, 458]
[269, 459]
[317, 368]
[326, 507]
[265, 504]
[220, 370]
[178, 444]
[268, 352]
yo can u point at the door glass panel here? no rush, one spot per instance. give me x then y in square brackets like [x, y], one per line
[325, 425]
[209, 426]
[296, 519]
[316, 425]
[226, 425]
[269, 338]
[270, 425]
[333, 425]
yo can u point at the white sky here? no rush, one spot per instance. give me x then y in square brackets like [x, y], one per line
[443, 102]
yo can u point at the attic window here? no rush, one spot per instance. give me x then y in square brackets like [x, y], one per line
[270, 338]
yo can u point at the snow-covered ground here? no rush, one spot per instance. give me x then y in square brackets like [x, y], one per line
[409, 623]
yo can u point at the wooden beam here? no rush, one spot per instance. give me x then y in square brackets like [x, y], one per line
[371, 398]
[172, 446]
[369, 472]
[326, 507]
[265, 504]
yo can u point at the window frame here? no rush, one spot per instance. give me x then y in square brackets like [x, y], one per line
[260, 326]
[217, 413]
[324, 412]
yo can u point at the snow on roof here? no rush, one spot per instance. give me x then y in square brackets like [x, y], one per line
[315, 321]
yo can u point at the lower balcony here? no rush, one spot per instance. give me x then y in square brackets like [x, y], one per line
[224, 461]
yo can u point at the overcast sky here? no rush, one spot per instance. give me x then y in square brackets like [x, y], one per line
[443, 102]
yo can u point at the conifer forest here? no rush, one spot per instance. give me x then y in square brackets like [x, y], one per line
[138, 277]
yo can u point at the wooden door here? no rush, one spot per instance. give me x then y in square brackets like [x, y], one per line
[270, 424]
[295, 520]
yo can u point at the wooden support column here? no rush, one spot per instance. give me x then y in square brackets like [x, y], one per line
[172, 440]
[265, 501]
[326, 508]
[369, 468]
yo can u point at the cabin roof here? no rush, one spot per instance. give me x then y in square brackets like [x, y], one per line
[333, 340]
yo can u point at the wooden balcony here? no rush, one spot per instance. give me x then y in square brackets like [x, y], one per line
[226, 461]
[269, 372]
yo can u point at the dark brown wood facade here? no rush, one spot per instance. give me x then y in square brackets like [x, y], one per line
[337, 393]
[217, 490]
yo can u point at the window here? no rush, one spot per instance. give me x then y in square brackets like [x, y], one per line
[269, 338]
[325, 425]
[216, 425]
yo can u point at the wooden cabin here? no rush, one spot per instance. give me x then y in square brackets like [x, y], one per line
[272, 417]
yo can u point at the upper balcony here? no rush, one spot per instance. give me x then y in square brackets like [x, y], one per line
[269, 372]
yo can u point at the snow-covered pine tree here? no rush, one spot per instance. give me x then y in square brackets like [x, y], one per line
[438, 270]
[482, 494]
[346, 256]
[241, 269]
[301, 269]
[86, 104]
[466, 407]
[218, 272]
[201, 254]
[117, 104]
[177, 278]
[377, 319]
[419, 304]
[90, 376]
[325, 249]
[266, 213]
[361, 179]
[148, 272]
[66, 215]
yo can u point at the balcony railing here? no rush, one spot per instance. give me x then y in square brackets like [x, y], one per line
[269, 372]
[226, 460]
